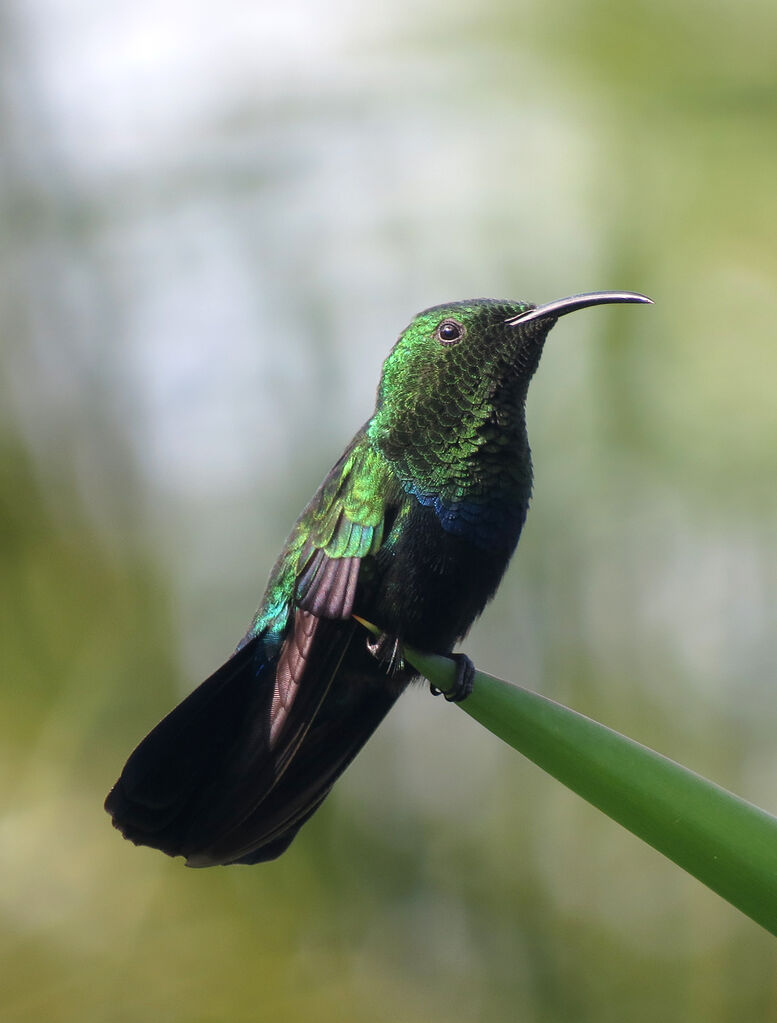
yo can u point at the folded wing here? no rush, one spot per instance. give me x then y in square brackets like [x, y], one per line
[232, 773]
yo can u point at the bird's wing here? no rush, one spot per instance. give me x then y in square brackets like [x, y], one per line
[341, 526]
[236, 768]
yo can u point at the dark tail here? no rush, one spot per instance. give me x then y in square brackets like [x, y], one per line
[209, 784]
[159, 795]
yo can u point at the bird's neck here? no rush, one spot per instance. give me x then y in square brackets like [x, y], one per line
[477, 481]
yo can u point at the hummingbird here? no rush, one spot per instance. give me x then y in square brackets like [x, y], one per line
[412, 529]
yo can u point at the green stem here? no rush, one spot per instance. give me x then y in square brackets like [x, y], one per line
[724, 841]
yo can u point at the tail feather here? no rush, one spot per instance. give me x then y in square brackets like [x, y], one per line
[212, 784]
[165, 777]
[352, 709]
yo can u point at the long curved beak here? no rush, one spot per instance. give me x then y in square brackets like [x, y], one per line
[562, 306]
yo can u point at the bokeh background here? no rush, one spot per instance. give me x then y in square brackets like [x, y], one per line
[215, 220]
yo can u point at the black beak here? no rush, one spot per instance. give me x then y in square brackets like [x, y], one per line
[562, 306]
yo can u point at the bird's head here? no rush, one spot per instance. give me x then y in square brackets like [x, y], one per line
[457, 366]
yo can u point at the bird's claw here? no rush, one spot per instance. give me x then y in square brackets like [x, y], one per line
[463, 683]
[385, 648]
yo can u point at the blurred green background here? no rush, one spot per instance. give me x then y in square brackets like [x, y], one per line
[216, 218]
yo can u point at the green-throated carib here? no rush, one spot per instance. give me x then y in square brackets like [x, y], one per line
[412, 529]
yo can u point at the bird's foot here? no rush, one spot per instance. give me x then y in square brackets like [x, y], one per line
[385, 649]
[463, 683]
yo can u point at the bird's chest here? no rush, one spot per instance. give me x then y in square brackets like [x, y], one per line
[428, 583]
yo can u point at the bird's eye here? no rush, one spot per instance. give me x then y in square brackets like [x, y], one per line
[449, 332]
